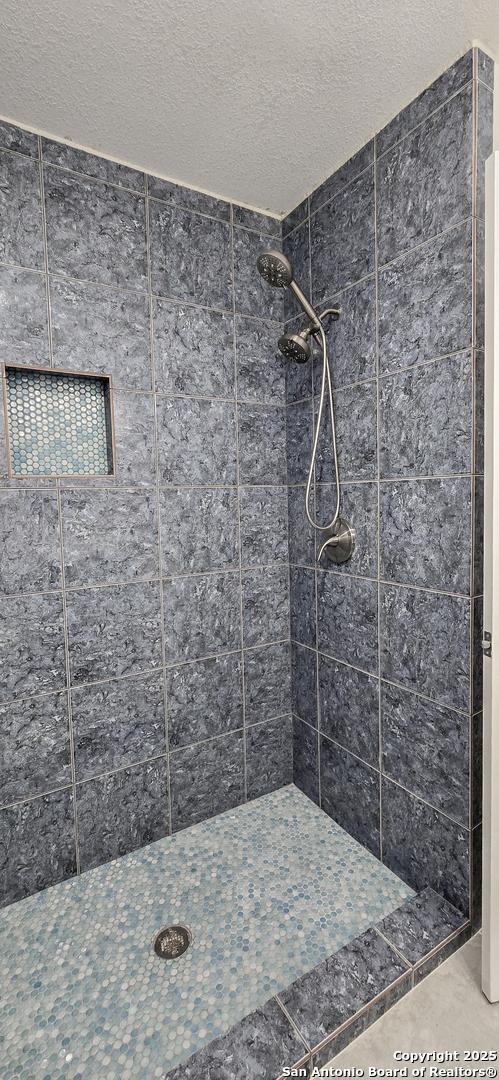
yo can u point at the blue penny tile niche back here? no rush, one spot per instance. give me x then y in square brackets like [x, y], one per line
[59, 424]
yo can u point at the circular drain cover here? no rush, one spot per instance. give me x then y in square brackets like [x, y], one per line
[171, 942]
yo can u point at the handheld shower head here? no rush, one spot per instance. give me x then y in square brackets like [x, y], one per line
[275, 269]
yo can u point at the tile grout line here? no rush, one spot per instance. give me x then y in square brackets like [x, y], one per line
[378, 514]
[67, 658]
[169, 817]
[238, 508]
[294, 1025]
[314, 511]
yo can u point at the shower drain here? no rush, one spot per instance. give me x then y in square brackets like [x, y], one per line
[171, 942]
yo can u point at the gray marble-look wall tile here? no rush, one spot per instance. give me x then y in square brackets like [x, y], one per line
[94, 232]
[330, 994]
[302, 605]
[301, 533]
[196, 441]
[202, 616]
[413, 202]
[485, 68]
[97, 329]
[21, 236]
[264, 525]
[296, 247]
[204, 699]
[135, 459]
[117, 724]
[269, 756]
[431, 98]
[206, 779]
[352, 337]
[16, 139]
[267, 682]
[426, 749]
[37, 845]
[121, 812]
[476, 801]
[343, 176]
[484, 142]
[253, 296]
[477, 667]
[262, 444]
[359, 506]
[30, 551]
[299, 440]
[295, 217]
[113, 631]
[190, 256]
[349, 708]
[350, 794]
[479, 284]
[177, 195]
[355, 416]
[425, 419]
[31, 646]
[420, 924]
[423, 847]
[479, 433]
[35, 755]
[265, 605]
[193, 350]
[23, 317]
[306, 759]
[342, 239]
[101, 168]
[199, 530]
[425, 301]
[348, 619]
[304, 683]
[261, 368]
[425, 533]
[256, 220]
[259, 1047]
[425, 643]
[109, 535]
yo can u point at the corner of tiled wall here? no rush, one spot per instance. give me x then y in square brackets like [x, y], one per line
[386, 653]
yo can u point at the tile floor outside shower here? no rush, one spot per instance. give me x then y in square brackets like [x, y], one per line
[268, 890]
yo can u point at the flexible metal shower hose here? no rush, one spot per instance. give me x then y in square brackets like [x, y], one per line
[326, 379]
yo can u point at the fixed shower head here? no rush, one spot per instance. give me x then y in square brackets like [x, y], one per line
[275, 269]
[296, 346]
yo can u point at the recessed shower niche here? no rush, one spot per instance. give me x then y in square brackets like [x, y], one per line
[58, 423]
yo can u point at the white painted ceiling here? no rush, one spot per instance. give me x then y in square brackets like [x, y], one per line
[253, 100]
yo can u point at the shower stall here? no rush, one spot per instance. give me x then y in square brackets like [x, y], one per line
[241, 575]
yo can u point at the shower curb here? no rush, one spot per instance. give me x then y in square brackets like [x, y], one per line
[324, 1010]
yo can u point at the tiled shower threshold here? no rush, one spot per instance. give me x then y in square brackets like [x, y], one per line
[300, 939]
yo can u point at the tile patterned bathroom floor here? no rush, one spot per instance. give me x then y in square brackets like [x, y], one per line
[268, 890]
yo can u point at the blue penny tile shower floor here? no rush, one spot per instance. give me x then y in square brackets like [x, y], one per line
[268, 890]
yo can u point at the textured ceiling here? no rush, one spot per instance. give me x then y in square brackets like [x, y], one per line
[253, 100]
